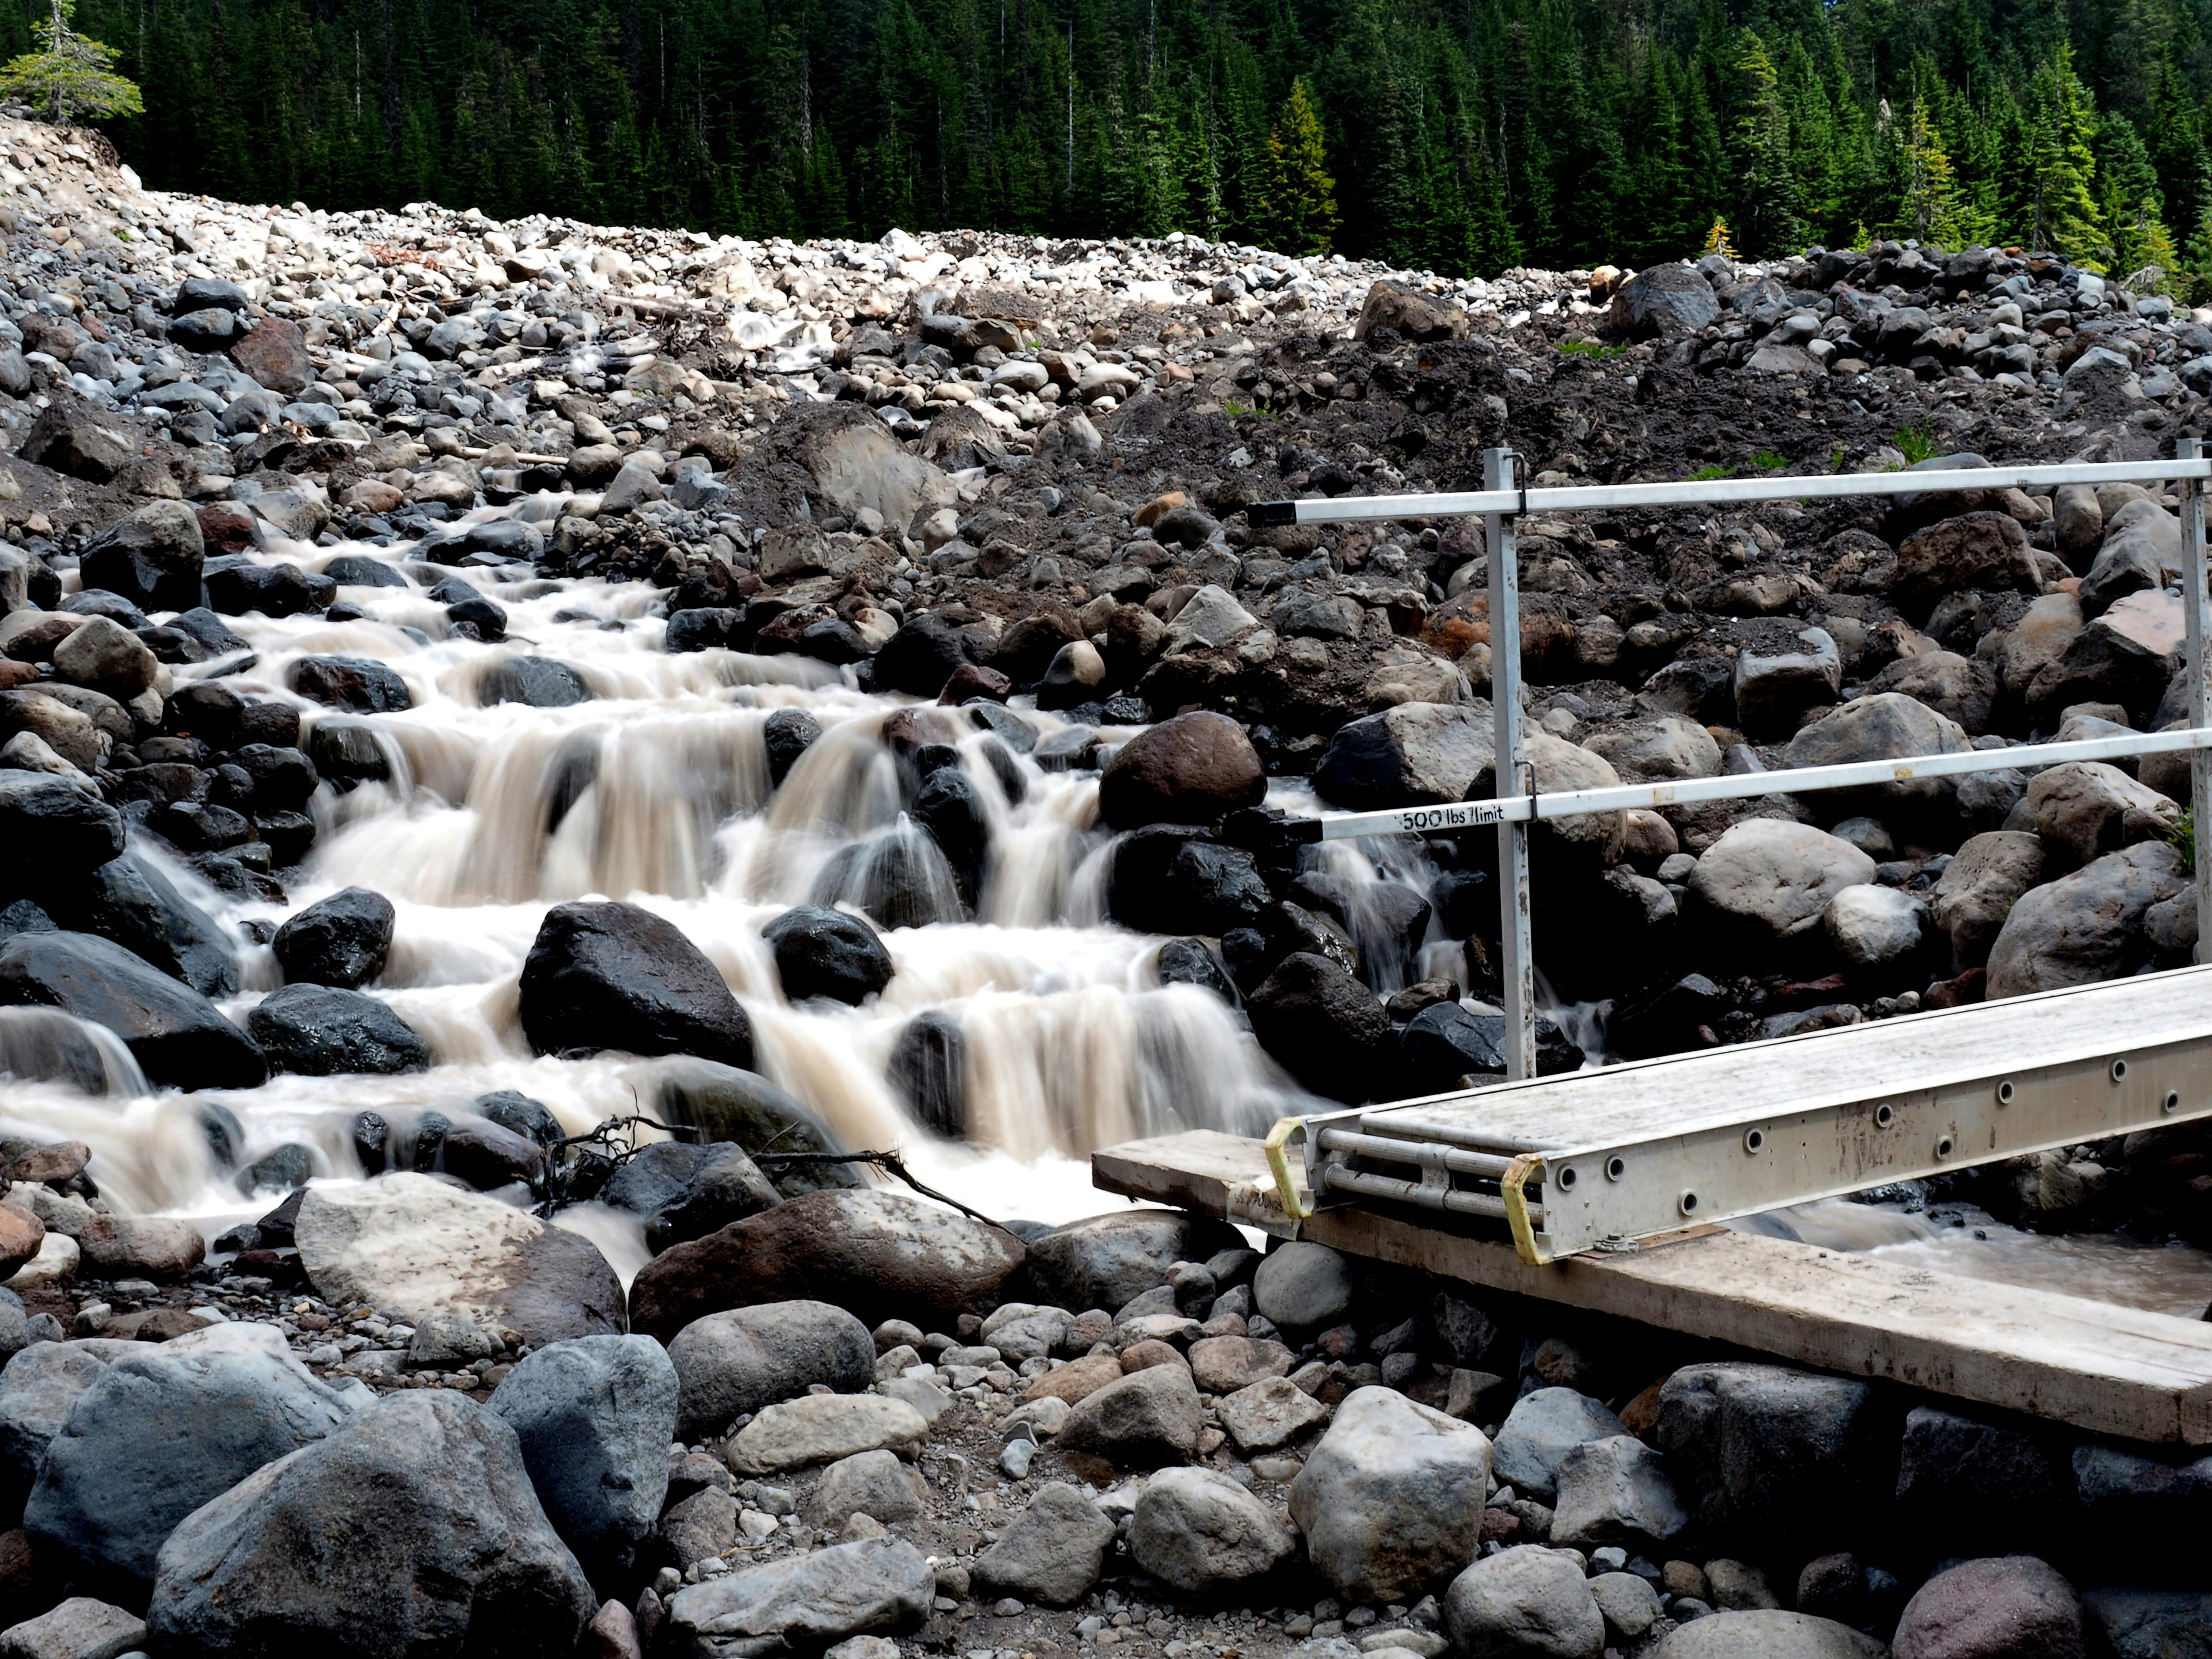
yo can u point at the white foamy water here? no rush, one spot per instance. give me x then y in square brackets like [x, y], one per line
[658, 791]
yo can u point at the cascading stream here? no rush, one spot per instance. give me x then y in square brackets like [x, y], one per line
[657, 789]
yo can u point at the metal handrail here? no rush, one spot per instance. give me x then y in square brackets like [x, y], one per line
[1500, 502]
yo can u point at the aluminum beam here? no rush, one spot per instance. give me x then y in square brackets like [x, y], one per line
[1587, 1159]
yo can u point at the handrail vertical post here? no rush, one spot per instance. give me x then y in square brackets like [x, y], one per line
[1509, 768]
[2194, 603]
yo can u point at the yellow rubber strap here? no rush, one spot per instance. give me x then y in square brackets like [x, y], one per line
[1286, 1191]
[1516, 1211]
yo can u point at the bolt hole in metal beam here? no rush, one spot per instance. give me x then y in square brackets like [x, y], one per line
[2120, 1071]
[1615, 1168]
[1755, 1140]
[2004, 1092]
[1944, 1147]
[1884, 1115]
[2173, 1102]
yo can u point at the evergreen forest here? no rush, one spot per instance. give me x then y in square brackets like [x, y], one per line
[1466, 136]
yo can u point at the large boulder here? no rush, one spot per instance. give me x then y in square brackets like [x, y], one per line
[614, 975]
[413, 1529]
[1149, 1417]
[1974, 1486]
[734, 1364]
[319, 1031]
[419, 1244]
[1659, 748]
[359, 685]
[2013, 1607]
[1200, 1532]
[1769, 1453]
[1667, 300]
[1194, 768]
[1982, 552]
[855, 463]
[1524, 1603]
[1767, 1633]
[594, 1417]
[80, 1628]
[1417, 754]
[39, 1386]
[879, 1255]
[1110, 1260]
[1615, 1490]
[2127, 656]
[129, 900]
[2086, 809]
[1884, 725]
[57, 825]
[1324, 1026]
[1767, 880]
[1391, 1500]
[1978, 889]
[1304, 1286]
[824, 1428]
[1955, 687]
[1414, 315]
[2082, 928]
[804, 1603]
[1543, 1427]
[727, 1103]
[1051, 1551]
[1774, 687]
[876, 1484]
[151, 557]
[175, 1033]
[157, 1435]
[340, 940]
[821, 952]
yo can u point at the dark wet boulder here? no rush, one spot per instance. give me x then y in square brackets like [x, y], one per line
[152, 558]
[519, 1113]
[950, 805]
[239, 587]
[177, 1036]
[55, 826]
[728, 1103]
[1324, 1026]
[928, 1070]
[535, 682]
[487, 1156]
[129, 900]
[340, 940]
[1444, 1042]
[787, 734]
[614, 975]
[879, 1255]
[1169, 878]
[821, 952]
[322, 1030]
[684, 1192]
[921, 657]
[355, 683]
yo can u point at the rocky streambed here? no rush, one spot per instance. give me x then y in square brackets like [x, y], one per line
[524, 746]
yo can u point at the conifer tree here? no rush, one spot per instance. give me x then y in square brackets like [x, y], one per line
[1767, 189]
[2067, 220]
[1930, 211]
[2133, 206]
[72, 76]
[1301, 201]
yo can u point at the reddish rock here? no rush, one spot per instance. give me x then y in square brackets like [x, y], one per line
[22, 1234]
[57, 1164]
[1194, 768]
[118, 1247]
[1077, 1378]
[1143, 1355]
[879, 1255]
[1223, 1365]
[13, 674]
[275, 353]
[1974, 550]
[227, 529]
[2014, 1607]
[969, 681]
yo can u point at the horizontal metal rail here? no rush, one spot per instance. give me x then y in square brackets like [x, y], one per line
[1828, 486]
[1754, 1139]
[1794, 780]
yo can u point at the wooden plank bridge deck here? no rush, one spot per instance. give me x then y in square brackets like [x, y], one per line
[2093, 1367]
